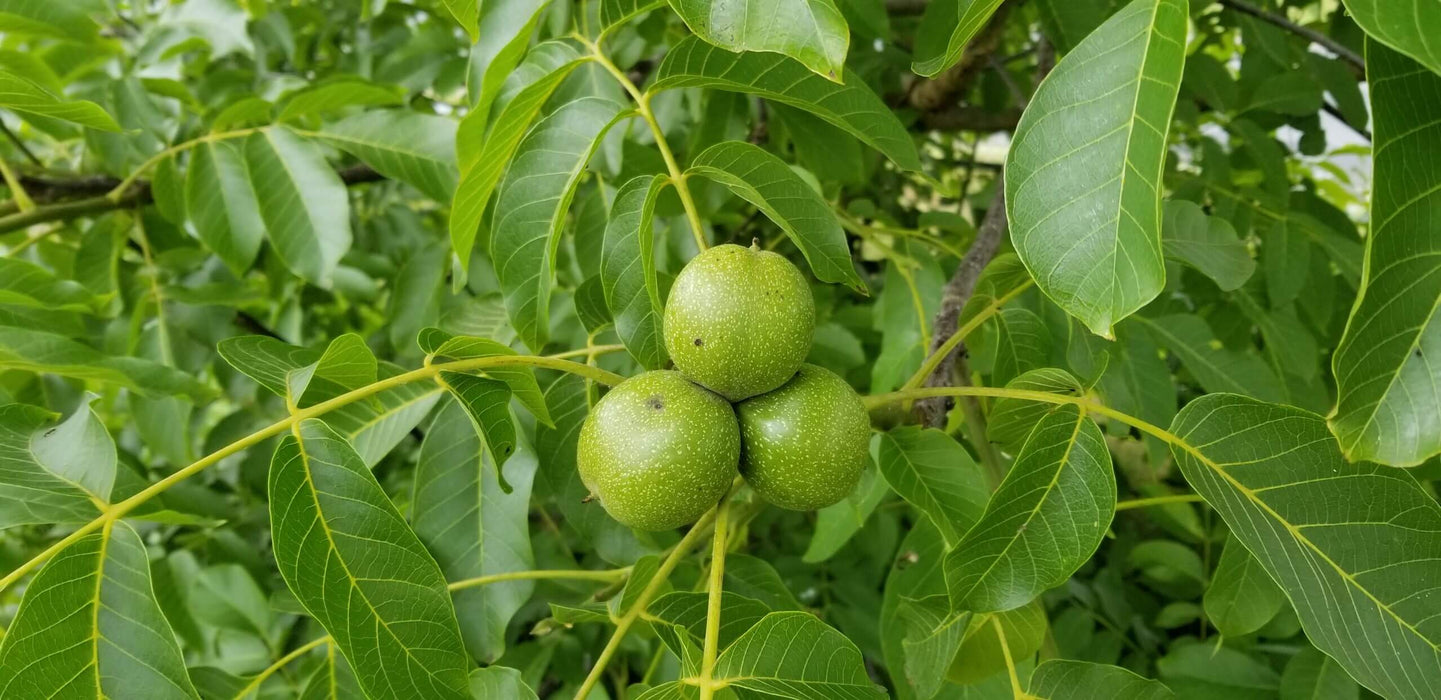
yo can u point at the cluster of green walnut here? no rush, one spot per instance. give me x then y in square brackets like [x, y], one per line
[663, 447]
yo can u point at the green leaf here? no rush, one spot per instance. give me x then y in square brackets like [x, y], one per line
[1241, 598]
[222, 204]
[328, 516]
[614, 13]
[49, 486]
[1408, 27]
[487, 402]
[461, 347]
[32, 286]
[794, 654]
[812, 32]
[767, 182]
[226, 596]
[931, 645]
[1357, 571]
[89, 627]
[332, 680]
[1387, 377]
[531, 207]
[484, 156]
[849, 105]
[467, 13]
[1012, 419]
[472, 527]
[1069, 22]
[914, 574]
[335, 95]
[43, 352]
[756, 578]
[836, 524]
[1083, 176]
[1207, 243]
[23, 95]
[302, 201]
[68, 21]
[946, 28]
[1214, 671]
[980, 655]
[1023, 343]
[499, 682]
[1311, 675]
[1045, 520]
[415, 148]
[1216, 367]
[346, 365]
[934, 473]
[627, 270]
[1061, 679]
[266, 360]
[503, 34]
[688, 611]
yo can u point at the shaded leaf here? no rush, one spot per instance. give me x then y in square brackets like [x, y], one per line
[23, 95]
[1207, 243]
[330, 96]
[40, 351]
[627, 271]
[1242, 598]
[1061, 679]
[222, 205]
[934, 473]
[1215, 366]
[946, 28]
[795, 655]
[35, 489]
[460, 347]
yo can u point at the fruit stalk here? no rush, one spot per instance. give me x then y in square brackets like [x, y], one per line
[713, 613]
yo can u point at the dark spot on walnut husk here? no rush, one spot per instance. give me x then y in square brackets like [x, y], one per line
[699, 342]
[655, 402]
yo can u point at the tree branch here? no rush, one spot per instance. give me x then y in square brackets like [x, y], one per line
[1331, 45]
[138, 195]
[957, 292]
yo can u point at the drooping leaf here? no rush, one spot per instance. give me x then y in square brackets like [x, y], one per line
[935, 635]
[222, 204]
[946, 28]
[1215, 366]
[23, 95]
[1083, 175]
[487, 402]
[532, 204]
[39, 490]
[89, 627]
[29, 285]
[1358, 571]
[346, 365]
[767, 182]
[460, 347]
[1023, 343]
[812, 32]
[1045, 520]
[614, 13]
[338, 94]
[32, 350]
[327, 516]
[1242, 598]
[303, 203]
[483, 155]
[472, 527]
[1063, 679]
[794, 654]
[627, 271]
[467, 14]
[415, 148]
[1207, 243]
[1410, 27]
[849, 105]
[934, 473]
[1387, 378]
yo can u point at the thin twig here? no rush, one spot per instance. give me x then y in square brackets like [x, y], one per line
[29, 155]
[1330, 44]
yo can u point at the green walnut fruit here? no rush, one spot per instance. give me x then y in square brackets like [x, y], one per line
[739, 321]
[803, 446]
[659, 451]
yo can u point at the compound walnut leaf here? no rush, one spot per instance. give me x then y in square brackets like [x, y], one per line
[89, 627]
[767, 182]
[1388, 377]
[329, 520]
[531, 206]
[627, 270]
[794, 654]
[849, 105]
[471, 526]
[1361, 572]
[812, 32]
[1045, 520]
[1083, 178]
[1408, 26]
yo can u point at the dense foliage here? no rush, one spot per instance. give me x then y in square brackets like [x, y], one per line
[303, 306]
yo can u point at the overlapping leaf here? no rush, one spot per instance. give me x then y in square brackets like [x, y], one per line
[934, 473]
[329, 519]
[37, 490]
[1242, 597]
[1207, 243]
[415, 148]
[531, 207]
[1388, 380]
[34, 350]
[1083, 178]
[945, 30]
[627, 271]
[1361, 572]
[767, 182]
[89, 627]
[849, 105]
[24, 95]
[1408, 26]
[1045, 520]
[1063, 679]
[222, 204]
[812, 32]
[794, 654]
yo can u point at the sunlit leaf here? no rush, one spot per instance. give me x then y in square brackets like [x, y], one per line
[1083, 175]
